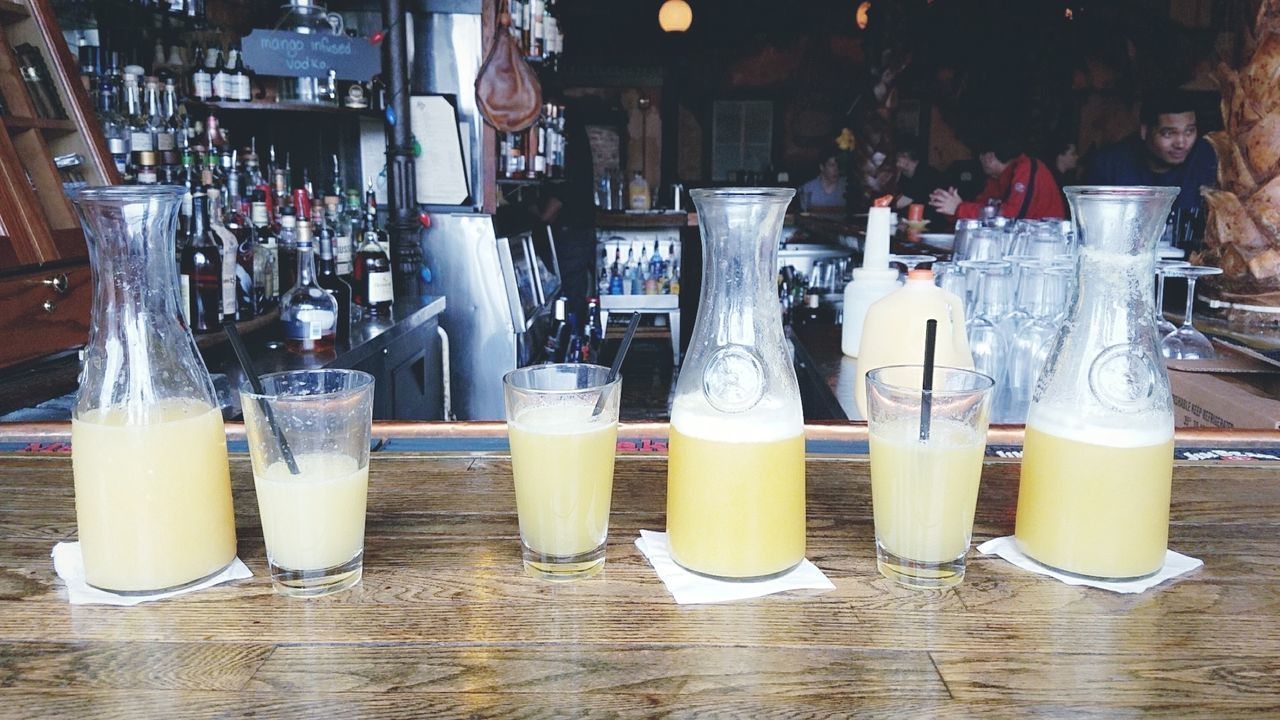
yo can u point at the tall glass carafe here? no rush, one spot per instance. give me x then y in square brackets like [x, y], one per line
[153, 491]
[1098, 456]
[735, 477]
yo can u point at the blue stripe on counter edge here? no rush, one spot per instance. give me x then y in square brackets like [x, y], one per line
[659, 447]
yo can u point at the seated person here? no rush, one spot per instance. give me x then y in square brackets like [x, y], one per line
[1167, 151]
[1064, 161]
[827, 191]
[916, 179]
[1024, 186]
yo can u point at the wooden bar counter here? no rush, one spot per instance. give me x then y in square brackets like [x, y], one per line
[446, 625]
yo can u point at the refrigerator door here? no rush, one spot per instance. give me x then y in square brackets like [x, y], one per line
[483, 316]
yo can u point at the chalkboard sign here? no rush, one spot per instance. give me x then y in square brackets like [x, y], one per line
[292, 54]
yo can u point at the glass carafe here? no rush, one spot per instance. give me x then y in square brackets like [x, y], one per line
[153, 491]
[1098, 456]
[735, 478]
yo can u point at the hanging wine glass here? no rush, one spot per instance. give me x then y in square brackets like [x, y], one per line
[1186, 342]
[1163, 326]
[910, 262]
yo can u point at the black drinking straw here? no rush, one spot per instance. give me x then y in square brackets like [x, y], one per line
[617, 361]
[242, 354]
[926, 383]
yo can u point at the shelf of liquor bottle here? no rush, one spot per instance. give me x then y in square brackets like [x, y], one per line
[81, 15]
[14, 124]
[282, 106]
[11, 11]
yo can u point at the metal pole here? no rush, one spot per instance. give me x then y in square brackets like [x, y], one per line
[402, 204]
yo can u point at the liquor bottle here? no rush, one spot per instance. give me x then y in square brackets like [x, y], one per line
[176, 143]
[247, 299]
[231, 78]
[201, 79]
[335, 178]
[558, 339]
[330, 282]
[594, 333]
[615, 273]
[139, 135]
[333, 219]
[218, 70]
[602, 274]
[287, 238]
[348, 233]
[531, 152]
[114, 127]
[309, 314]
[201, 272]
[266, 257]
[229, 244]
[372, 271]
[241, 77]
[157, 126]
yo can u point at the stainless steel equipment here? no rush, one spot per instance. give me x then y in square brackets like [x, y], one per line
[448, 52]
[499, 291]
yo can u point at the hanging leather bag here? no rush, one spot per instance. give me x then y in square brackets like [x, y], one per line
[507, 89]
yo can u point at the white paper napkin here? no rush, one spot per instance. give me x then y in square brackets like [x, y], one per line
[1175, 564]
[69, 564]
[690, 588]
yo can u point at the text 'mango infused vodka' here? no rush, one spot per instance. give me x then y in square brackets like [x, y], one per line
[735, 477]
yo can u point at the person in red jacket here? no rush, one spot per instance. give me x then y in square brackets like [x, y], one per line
[1024, 186]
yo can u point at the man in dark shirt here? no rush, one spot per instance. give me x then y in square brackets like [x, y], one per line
[916, 180]
[1167, 151]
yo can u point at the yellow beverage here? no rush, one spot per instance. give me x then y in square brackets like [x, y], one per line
[735, 509]
[153, 501]
[562, 461]
[313, 520]
[1096, 504]
[923, 495]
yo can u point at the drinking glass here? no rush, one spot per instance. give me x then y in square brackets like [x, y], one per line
[562, 421]
[1186, 342]
[1034, 325]
[312, 488]
[987, 326]
[1163, 326]
[925, 470]
[984, 244]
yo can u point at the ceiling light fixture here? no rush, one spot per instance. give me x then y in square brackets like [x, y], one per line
[675, 16]
[863, 16]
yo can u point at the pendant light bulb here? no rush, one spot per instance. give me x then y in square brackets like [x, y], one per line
[675, 16]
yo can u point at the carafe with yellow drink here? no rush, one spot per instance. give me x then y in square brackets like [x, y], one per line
[735, 477]
[1098, 457]
[148, 452]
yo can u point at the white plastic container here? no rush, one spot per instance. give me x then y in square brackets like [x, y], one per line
[894, 329]
[872, 281]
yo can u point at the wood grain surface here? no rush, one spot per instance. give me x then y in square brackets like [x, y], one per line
[445, 624]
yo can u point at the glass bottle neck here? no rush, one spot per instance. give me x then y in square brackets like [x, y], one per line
[306, 265]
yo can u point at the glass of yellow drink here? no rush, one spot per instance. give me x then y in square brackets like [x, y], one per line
[312, 487]
[925, 469]
[562, 421]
